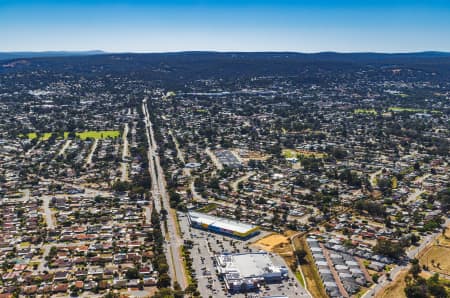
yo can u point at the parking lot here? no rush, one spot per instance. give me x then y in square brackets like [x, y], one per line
[207, 245]
[228, 159]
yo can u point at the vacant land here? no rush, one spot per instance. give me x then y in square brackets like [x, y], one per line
[366, 111]
[101, 134]
[437, 259]
[274, 242]
[396, 288]
[291, 153]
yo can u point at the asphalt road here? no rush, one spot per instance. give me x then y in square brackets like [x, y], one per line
[64, 147]
[161, 199]
[91, 153]
[48, 213]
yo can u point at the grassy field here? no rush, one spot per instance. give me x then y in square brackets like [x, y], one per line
[25, 244]
[290, 153]
[43, 137]
[208, 208]
[300, 278]
[186, 268]
[411, 110]
[101, 134]
[365, 111]
[437, 259]
[177, 223]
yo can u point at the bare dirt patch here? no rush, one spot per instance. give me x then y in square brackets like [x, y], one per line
[279, 244]
[274, 242]
[437, 259]
[396, 288]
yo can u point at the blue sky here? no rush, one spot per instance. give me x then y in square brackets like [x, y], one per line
[246, 25]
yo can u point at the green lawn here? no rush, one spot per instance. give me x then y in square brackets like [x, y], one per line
[101, 134]
[187, 272]
[43, 136]
[208, 208]
[25, 244]
[289, 153]
[411, 110]
[300, 278]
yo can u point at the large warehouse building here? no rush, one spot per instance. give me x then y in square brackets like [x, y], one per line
[248, 271]
[223, 226]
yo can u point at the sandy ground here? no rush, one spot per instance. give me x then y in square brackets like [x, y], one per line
[279, 244]
[436, 257]
[440, 256]
[396, 289]
[274, 242]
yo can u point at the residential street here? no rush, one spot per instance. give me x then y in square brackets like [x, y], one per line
[123, 164]
[48, 213]
[384, 282]
[91, 153]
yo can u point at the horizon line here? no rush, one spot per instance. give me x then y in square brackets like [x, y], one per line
[224, 51]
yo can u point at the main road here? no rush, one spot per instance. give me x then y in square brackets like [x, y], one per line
[161, 200]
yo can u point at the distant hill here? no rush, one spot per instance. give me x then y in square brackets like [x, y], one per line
[24, 55]
[320, 56]
[174, 70]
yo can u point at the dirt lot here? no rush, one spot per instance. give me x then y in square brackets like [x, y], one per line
[247, 155]
[278, 244]
[290, 153]
[396, 289]
[274, 242]
[437, 259]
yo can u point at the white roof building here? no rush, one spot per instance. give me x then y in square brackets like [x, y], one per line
[221, 225]
[249, 269]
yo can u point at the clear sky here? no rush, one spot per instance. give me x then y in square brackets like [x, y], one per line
[245, 25]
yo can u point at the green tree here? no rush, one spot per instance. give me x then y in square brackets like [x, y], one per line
[301, 255]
